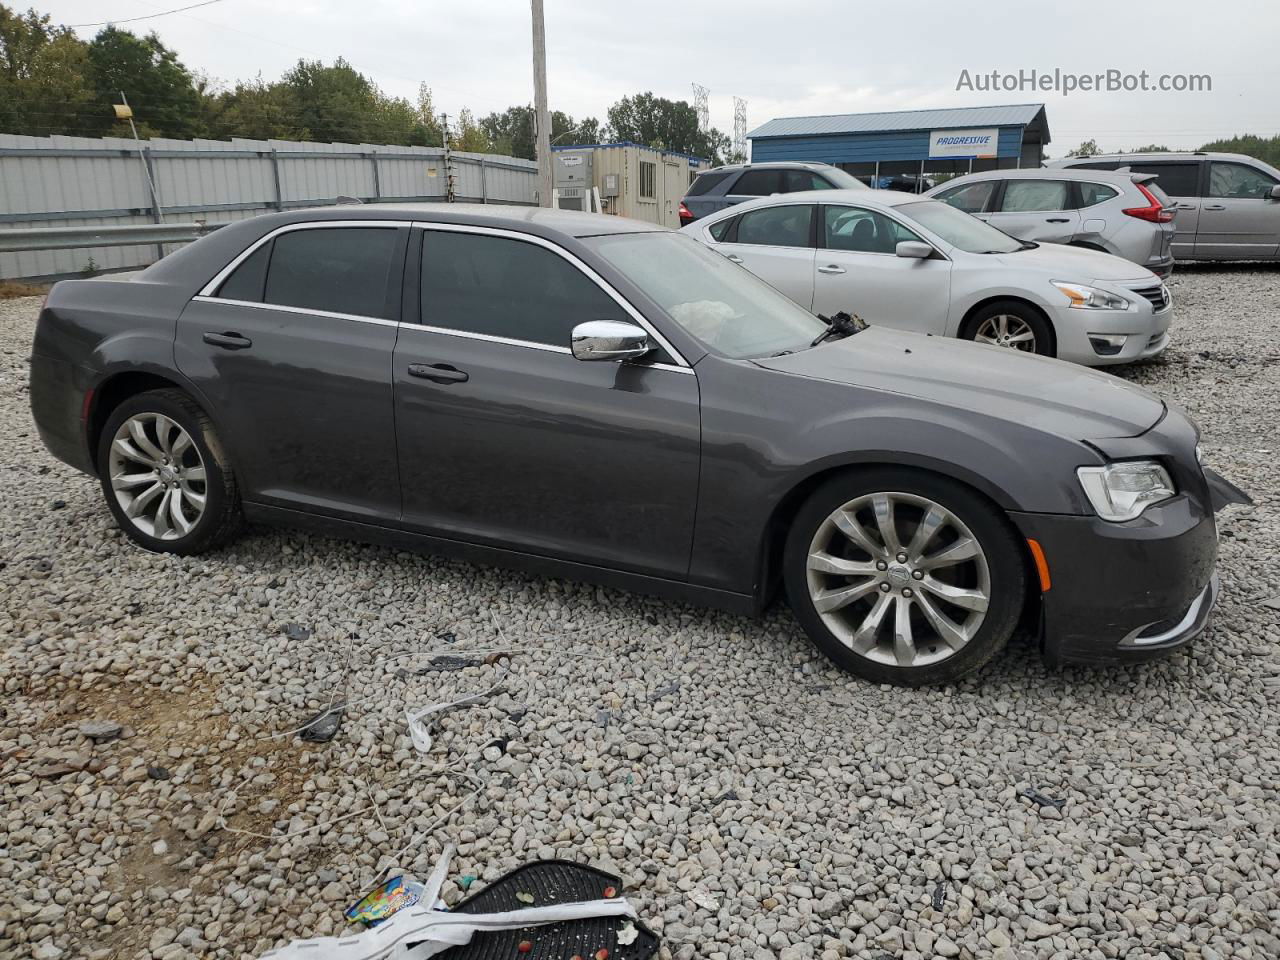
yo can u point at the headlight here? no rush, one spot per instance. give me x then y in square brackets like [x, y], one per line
[1121, 491]
[1085, 297]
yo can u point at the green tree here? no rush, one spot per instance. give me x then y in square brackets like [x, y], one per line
[512, 131]
[44, 85]
[160, 89]
[667, 124]
[1089, 148]
[1266, 149]
[1149, 148]
[256, 110]
[332, 103]
[467, 136]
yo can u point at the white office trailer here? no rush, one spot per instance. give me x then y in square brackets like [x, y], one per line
[632, 180]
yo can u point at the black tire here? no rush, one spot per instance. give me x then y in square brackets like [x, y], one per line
[221, 518]
[1004, 557]
[1046, 343]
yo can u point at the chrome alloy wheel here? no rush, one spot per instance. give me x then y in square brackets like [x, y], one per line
[898, 579]
[158, 476]
[1006, 330]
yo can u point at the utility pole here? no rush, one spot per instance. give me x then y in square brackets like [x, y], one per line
[542, 118]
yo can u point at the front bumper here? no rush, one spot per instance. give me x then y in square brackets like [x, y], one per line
[1123, 592]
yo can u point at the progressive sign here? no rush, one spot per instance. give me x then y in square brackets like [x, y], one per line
[964, 143]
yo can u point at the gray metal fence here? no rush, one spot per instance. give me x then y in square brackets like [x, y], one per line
[80, 182]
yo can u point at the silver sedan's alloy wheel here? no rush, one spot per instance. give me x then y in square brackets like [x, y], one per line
[158, 476]
[898, 579]
[1006, 330]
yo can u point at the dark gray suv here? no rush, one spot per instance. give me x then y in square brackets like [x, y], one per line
[722, 187]
[598, 398]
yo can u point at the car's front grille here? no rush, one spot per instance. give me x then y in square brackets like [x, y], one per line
[1157, 296]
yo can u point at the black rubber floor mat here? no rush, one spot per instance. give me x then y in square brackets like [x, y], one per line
[548, 882]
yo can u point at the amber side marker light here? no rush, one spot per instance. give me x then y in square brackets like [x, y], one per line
[1042, 565]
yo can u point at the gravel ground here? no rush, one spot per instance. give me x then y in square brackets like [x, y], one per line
[758, 803]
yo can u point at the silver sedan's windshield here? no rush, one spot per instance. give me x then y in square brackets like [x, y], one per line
[958, 228]
[727, 308]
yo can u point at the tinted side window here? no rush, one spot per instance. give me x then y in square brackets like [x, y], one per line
[794, 181]
[247, 280]
[1176, 179]
[507, 288]
[1237, 181]
[721, 230]
[704, 182]
[970, 197]
[787, 226]
[1092, 194]
[338, 269]
[863, 231]
[1020, 195]
[758, 183]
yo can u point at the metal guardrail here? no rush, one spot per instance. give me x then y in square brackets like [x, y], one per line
[126, 235]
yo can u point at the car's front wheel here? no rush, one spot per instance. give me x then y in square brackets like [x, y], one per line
[164, 474]
[1011, 324]
[904, 577]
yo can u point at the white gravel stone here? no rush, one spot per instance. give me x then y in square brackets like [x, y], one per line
[757, 802]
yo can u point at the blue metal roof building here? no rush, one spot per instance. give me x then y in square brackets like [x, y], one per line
[910, 143]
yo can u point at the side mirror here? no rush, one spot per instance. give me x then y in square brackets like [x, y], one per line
[914, 250]
[1275, 192]
[609, 340]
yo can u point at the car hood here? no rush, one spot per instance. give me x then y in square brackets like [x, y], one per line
[1076, 264]
[1051, 395]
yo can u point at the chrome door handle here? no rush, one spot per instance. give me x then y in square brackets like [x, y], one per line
[1215, 206]
[733, 258]
[438, 373]
[228, 340]
[831, 268]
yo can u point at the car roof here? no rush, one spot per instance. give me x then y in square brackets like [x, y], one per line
[573, 223]
[1157, 155]
[1041, 173]
[861, 198]
[771, 165]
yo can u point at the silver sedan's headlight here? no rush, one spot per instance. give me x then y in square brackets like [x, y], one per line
[1121, 491]
[1085, 297]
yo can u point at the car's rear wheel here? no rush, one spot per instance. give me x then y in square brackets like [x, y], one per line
[903, 577]
[1013, 325]
[164, 474]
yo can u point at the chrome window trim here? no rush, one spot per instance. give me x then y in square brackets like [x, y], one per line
[680, 364]
[308, 311]
[210, 288]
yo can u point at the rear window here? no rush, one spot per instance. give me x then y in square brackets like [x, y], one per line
[705, 181]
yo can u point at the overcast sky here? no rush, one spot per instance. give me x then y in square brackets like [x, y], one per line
[791, 58]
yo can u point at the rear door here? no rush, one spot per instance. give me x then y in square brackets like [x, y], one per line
[291, 347]
[858, 271]
[508, 441]
[1040, 210]
[1238, 218]
[776, 244]
[1180, 179]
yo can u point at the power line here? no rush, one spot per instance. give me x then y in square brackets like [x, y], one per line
[149, 16]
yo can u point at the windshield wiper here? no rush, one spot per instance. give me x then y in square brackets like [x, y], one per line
[841, 325]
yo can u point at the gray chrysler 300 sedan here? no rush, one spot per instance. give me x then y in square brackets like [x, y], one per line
[601, 399]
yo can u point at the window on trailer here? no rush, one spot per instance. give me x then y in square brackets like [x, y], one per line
[648, 180]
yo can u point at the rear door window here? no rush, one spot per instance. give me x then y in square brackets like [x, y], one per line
[721, 230]
[500, 287]
[1092, 194]
[1176, 179]
[248, 280]
[794, 181]
[1035, 195]
[785, 226]
[758, 183]
[335, 270]
[705, 181]
[969, 197]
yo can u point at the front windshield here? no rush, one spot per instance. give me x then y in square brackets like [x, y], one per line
[721, 304]
[958, 228]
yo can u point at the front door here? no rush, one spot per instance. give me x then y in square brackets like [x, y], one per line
[858, 270]
[292, 352]
[1038, 210]
[776, 244]
[1238, 218]
[508, 441]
